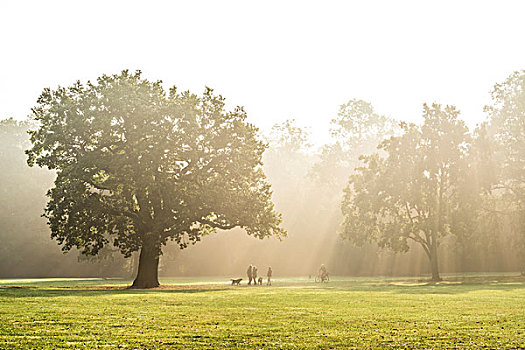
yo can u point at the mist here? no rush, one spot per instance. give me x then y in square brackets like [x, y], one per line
[307, 183]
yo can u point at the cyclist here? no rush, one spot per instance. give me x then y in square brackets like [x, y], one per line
[323, 274]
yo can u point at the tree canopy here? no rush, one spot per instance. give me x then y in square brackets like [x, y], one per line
[507, 122]
[357, 130]
[137, 166]
[413, 192]
[504, 151]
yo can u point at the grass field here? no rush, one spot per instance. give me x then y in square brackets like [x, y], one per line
[461, 312]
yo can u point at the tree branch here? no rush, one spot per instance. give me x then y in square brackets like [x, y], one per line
[126, 213]
[218, 225]
[502, 212]
[408, 213]
[97, 186]
[422, 242]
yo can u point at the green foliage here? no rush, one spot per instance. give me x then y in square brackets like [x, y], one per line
[136, 164]
[349, 313]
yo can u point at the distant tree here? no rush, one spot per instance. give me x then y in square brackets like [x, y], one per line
[360, 128]
[21, 192]
[288, 136]
[288, 157]
[137, 166]
[507, 122]
[26, 249]
[357, 130]
[286, 163]
[414, 191]
[506, 125]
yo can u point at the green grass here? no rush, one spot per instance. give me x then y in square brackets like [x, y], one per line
[461, 312]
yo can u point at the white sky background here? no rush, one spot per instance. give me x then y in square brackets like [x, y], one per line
[280, 60]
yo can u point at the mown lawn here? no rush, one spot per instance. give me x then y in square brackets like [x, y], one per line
[466, 312]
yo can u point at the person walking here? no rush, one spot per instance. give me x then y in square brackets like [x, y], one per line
[269, 275]
[249, 272]
[254, 275]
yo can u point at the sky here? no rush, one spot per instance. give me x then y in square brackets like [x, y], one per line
[278, 59]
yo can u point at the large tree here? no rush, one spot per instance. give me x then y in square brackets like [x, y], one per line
[138, 166]
[415, 190]
[505, 201]
[507, 126]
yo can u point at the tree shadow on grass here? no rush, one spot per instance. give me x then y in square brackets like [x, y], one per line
[454, 285]
[39, 292]
[461, 286]
[450, 285]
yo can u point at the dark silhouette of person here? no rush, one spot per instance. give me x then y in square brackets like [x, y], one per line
[269, 275]
[249, 272]
[254, 275]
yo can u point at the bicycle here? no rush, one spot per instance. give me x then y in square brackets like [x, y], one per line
[322, 278]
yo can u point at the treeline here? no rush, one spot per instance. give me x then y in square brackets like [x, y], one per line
[436, 193]
[449, 198]
[27, 249]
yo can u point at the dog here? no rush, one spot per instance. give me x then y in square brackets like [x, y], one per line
[236, 281]
[260, 281]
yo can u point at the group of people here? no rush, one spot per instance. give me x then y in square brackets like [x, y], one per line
[252, 273]
[252, 276]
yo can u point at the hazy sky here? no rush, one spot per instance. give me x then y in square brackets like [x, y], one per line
[280, 60]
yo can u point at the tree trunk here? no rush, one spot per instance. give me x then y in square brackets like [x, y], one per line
[438, 226]
[434, 263]
[148, 270]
